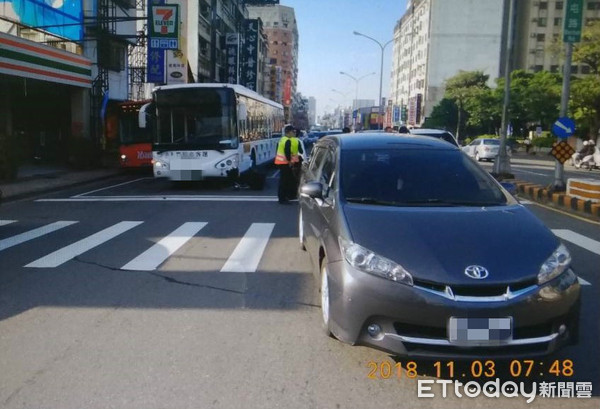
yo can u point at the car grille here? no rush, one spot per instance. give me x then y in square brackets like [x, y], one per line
[478, 293]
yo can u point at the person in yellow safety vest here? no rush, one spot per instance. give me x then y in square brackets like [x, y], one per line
[288, 161]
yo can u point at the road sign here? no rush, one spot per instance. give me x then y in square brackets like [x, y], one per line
[572, 22]
[562, 151]
[563, 127]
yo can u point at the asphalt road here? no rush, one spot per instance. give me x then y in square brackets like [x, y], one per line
[223, 314]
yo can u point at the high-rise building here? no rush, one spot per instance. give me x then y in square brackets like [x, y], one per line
[312, 111]
[539, 24]
[282, 33]
[434, 40]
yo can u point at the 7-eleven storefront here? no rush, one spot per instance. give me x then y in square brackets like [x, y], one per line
[44, 99]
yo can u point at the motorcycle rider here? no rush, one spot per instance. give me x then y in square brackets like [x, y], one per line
[583, 153]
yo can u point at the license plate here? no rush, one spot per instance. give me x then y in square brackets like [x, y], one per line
[479, 331]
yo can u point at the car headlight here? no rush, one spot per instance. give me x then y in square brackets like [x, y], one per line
[554, 266]
[369, 262]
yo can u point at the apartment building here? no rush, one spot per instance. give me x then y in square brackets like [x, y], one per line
[539, 25]
[434, 40]
[282, 34]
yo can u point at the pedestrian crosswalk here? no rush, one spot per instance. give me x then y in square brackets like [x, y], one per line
[244, 258]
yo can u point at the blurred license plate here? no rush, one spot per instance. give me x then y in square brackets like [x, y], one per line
[479, 331]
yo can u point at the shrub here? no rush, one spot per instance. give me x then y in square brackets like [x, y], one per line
[543, 141]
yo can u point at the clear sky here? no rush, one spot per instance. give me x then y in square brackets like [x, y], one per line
[327, 46]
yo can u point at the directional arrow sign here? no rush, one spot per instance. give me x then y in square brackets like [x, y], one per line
[563, 127]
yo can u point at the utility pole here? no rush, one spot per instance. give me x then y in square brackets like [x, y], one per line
[502, 163]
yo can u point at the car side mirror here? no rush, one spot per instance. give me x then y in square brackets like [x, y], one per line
[313, 190]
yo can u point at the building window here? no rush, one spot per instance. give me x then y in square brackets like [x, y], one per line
[273, 61]
[543, 5]
[574, 69]
[559, 5]
[554, 68]
[557, 21]
[593, 5]
[541, 37]
[590, 20]
[275, 23]
[585, 69]
[542, 21]
[538, 68]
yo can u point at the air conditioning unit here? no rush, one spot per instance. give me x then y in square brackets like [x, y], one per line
[534, 20]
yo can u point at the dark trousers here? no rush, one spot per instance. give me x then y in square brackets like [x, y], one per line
[288, 184]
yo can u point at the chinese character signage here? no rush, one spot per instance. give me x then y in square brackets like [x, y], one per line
[177, 72]
[156, 56]
[250, 55]
[232, 44]
[572, 23]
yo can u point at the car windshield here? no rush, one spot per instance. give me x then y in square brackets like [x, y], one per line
[416, 177]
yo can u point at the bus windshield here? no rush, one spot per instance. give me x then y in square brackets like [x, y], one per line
[130, 132]
[197, 117]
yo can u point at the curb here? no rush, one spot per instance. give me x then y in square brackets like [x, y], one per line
[560, 200]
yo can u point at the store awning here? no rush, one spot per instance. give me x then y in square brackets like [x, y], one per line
[28, 59]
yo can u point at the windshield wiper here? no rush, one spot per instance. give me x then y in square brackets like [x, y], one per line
[440, 202]
[371, 200]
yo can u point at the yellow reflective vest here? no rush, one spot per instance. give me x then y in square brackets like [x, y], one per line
[280, 158]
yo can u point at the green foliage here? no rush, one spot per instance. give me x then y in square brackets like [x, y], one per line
[463, 88]
[84, 153]
[543, 141]
[443, 115]
[585, 103]
[588, 50]
[9, 162]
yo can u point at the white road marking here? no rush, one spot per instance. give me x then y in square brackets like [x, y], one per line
[583, 282]
[111, 187]
[33, 234]
[247, 254]
[165, 199]
[579, 240]
[157, 254]
[525, 202]
[67, 253]
[5, 222]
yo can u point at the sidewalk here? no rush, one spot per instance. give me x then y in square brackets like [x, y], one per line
[36, 179]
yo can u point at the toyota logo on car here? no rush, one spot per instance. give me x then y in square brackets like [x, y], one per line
[476, 272]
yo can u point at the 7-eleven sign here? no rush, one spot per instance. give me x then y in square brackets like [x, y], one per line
[164, 26]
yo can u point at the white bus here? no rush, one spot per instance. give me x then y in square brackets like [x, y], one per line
[211, 131]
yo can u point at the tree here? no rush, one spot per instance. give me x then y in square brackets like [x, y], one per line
[542, 98]
[588, 50]
[585, 103]
[461, 88]
[443, 115]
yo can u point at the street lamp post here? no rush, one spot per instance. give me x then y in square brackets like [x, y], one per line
[356, 80]
[382, 46]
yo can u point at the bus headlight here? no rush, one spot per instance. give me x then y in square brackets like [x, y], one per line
[228, 163]
[161, 164]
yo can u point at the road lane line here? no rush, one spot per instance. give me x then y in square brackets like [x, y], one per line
[249, 251]
[5, 222]
[153, 257]
[33, 234]
[583, 282]
[166, 199]
[112, 186]
[578, 239]
[525, 202]
[71, 251]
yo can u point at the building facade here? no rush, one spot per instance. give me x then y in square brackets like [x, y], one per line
[282, 34]
[434, 40]
[539, 26]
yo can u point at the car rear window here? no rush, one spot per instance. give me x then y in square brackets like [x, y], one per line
[494, 142]
[416, 177]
